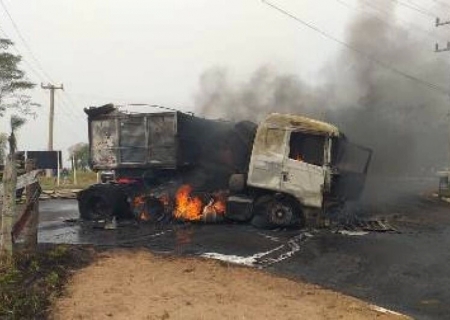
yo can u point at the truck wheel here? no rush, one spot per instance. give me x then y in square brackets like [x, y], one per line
[270, 212]
[101, 202]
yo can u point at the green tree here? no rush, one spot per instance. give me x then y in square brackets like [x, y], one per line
[80, 151]
[13, 82]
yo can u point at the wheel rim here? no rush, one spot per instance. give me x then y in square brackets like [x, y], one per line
[281, 214]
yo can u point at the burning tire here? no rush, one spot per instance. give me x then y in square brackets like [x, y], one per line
[272, 212]
[101, 202]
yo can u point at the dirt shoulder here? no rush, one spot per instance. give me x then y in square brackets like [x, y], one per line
[139, 285]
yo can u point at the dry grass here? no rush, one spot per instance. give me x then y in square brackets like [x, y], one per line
[84, 180]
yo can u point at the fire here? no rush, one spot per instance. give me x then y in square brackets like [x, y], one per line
[219, 204]
[139, 208]
[187, 207]
[192, 208]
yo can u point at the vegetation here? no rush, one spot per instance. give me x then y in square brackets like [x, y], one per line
[13, 85]
[30, 282]
[13, 82]
[84, 179]
[80, 152]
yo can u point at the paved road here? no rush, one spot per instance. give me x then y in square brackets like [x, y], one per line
[407, 271]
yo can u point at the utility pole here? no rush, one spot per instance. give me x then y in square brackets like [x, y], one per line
[52, 89]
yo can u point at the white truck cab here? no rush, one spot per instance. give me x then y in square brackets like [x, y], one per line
[299, 161]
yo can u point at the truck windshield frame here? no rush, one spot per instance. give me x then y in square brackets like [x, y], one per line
[307, 147]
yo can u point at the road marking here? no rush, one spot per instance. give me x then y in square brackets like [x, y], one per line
[387, 311]
[353, 233]
[274, 239]
[246, 261]
[262, 259]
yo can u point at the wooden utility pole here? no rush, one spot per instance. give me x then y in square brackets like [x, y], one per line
[52, 89]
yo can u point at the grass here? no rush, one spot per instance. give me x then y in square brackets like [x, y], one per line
[30, 282]
[84, 180]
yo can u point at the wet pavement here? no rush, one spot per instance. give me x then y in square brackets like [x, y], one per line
[406, 271]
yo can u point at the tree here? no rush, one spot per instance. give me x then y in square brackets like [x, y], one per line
[13, 83]
[80, 152]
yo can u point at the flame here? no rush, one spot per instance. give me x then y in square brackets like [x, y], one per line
[139, 208]
[187, 207]
[299, 157]
[219, 204]
[144, 216]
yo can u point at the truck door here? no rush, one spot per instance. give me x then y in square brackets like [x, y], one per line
[352, 162]
[303, 173]
[267, 158]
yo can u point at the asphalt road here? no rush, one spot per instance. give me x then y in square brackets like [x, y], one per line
[406, 271]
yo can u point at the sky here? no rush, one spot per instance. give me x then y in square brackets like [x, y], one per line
[141, 51]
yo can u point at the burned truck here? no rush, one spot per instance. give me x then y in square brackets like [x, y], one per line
[288, 170]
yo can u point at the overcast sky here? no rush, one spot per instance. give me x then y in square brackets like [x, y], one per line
[154, 51]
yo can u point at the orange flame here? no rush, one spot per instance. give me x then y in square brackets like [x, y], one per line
[139, 205]
[187, 207]
[219, 204]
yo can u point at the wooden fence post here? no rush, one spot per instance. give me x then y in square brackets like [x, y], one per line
[31, 234]
[9, 205]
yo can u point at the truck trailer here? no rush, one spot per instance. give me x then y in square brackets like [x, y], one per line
[288, 170]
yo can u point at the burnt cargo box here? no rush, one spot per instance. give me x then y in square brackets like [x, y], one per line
[160, 140]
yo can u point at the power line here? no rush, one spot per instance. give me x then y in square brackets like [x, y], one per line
[415, 8]
[38, 75]
[386, 22]
[441, 3]
[430, 85]
[426, 11]
[25, 43]
[36, 60]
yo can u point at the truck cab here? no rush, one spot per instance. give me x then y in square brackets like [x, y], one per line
[300, 168]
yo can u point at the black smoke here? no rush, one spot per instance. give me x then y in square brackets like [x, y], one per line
[403, 121]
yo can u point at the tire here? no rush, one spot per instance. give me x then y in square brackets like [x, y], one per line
[156, 208]
[102, 202]
[271, 212]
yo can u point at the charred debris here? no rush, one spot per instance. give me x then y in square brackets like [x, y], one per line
[287, 171]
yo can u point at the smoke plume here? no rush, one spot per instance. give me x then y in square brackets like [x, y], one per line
[403, 121]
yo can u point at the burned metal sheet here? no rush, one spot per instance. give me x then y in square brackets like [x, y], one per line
[104, 143]
[304, 124]
[162, 139]
[132, 140]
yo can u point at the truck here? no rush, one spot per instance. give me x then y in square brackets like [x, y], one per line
[286, 171]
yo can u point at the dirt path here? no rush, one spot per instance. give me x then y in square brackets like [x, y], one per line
[139, 285]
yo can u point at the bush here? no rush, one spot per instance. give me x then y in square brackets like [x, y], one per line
[30, 282]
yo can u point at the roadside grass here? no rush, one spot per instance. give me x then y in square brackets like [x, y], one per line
[30, 282]
[84, 180]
